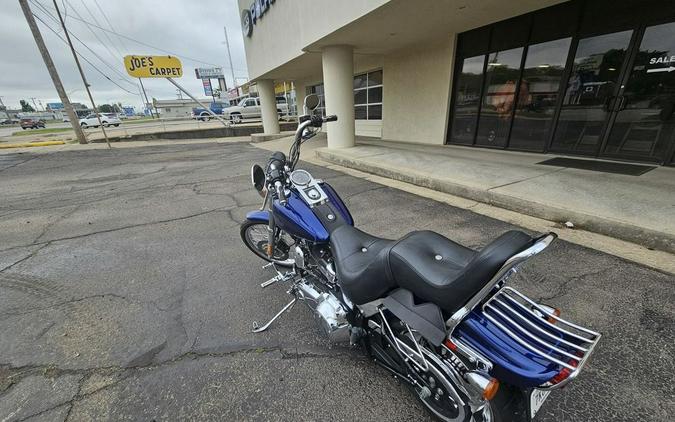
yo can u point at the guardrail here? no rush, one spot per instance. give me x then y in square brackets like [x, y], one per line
[170, 124]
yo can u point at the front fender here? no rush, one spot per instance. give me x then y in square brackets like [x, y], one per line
[258, 216]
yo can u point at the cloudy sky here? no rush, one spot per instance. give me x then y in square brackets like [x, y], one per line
[191, 30]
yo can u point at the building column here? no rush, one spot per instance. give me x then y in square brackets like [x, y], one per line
[338, 83]
[268, 106]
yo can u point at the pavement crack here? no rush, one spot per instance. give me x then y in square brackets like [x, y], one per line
[26, 258]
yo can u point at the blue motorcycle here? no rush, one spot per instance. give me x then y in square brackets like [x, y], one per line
[434, 313]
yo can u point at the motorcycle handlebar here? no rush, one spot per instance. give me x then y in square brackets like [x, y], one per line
[281, 194]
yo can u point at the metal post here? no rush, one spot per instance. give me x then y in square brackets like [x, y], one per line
[147, 102]
[79, 67]
[208, 109]
[53, 73]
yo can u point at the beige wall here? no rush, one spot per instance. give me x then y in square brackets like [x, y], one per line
[416, 92]
[290, 25]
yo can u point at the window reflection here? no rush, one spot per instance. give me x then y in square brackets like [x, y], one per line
[503, 71]
[645, 125]
[589, 92]
[544, 67]
[467, 98]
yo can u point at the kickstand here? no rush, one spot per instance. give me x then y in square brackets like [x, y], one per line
[258, 329]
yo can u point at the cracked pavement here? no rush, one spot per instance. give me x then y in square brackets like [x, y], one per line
[126, 294]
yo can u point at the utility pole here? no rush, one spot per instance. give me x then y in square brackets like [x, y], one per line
[74, 120]
[79, 67]
[229, 56]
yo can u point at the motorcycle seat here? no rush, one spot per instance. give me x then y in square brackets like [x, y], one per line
[434, 268]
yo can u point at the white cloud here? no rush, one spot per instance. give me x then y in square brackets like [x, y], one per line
[193, 29]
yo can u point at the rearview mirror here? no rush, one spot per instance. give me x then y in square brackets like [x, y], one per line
[258, 178]
[312, 102]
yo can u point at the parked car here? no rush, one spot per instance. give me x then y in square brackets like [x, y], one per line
[107, 119]
[202, 114]
[9, 122]
[30, 123]
[249, 108]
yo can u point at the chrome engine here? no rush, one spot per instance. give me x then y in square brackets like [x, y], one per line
[328, 310]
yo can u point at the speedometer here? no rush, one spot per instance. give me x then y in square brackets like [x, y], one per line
[301, 178]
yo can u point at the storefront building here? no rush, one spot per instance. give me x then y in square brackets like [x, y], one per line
[593, 78]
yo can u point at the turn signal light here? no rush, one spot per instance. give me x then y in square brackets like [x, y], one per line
[491, 389]
[555, 312]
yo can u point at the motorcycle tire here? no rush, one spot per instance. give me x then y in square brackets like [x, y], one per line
[258, 244]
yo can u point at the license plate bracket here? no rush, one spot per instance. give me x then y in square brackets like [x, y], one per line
[535, 399]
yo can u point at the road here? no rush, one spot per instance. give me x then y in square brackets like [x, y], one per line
[126, 294]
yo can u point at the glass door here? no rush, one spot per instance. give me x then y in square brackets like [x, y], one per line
[591, 93]
[644, 126]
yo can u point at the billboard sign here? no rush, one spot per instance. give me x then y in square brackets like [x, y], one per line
[153, 66]
[55, 106]
[209, 72]
[208, 91]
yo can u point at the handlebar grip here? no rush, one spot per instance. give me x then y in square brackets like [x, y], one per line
[280, 192]
[331, 118]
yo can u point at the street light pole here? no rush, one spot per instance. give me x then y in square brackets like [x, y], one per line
[229, 56]
[49, 63]
[79, 67]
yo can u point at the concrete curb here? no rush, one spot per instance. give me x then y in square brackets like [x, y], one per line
[32, 144]
[264, 137]
[217, 132]
[617, 229]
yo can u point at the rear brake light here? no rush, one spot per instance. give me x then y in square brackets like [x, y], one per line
[450, 345]
[565, 372]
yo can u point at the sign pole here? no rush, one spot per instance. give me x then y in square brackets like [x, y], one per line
[208, 109]
[146, 98]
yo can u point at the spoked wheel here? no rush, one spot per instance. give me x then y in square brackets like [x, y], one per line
[254, 235]
[441, 400]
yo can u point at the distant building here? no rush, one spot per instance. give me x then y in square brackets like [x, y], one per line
[178, 108]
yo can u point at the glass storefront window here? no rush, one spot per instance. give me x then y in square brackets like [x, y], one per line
[590, 92]
[544, 67]
[467, 99]
[503, 71]
[645, 125]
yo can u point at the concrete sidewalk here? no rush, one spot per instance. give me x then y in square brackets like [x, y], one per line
[639, 209]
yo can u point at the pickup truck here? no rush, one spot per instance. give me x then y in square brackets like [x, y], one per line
[202, 114]
[249, 108]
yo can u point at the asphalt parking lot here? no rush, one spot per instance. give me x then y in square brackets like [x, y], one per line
[126, 294]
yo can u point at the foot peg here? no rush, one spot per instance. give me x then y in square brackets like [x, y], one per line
[279, 277]
[258, 329]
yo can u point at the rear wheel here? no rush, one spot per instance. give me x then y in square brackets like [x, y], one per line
[235, 118]
[84, 125]
[205, 117]
[255, 236]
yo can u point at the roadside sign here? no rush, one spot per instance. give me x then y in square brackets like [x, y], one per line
[153, 66]
[209, 72]
[208, 91]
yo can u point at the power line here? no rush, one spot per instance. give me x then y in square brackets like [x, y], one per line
[105, 16]
[148, 45]
[80, 54]
[97, 23]
[111, 67]
[92, 31]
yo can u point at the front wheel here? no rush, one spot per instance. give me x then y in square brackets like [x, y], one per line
[255, 237]
[235, 118]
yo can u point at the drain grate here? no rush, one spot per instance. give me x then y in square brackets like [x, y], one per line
[601, 166]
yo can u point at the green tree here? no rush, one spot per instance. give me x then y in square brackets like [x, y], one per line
[25, 106]
[106, 108]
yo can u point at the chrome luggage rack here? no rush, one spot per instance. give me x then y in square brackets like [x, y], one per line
[550, 337]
